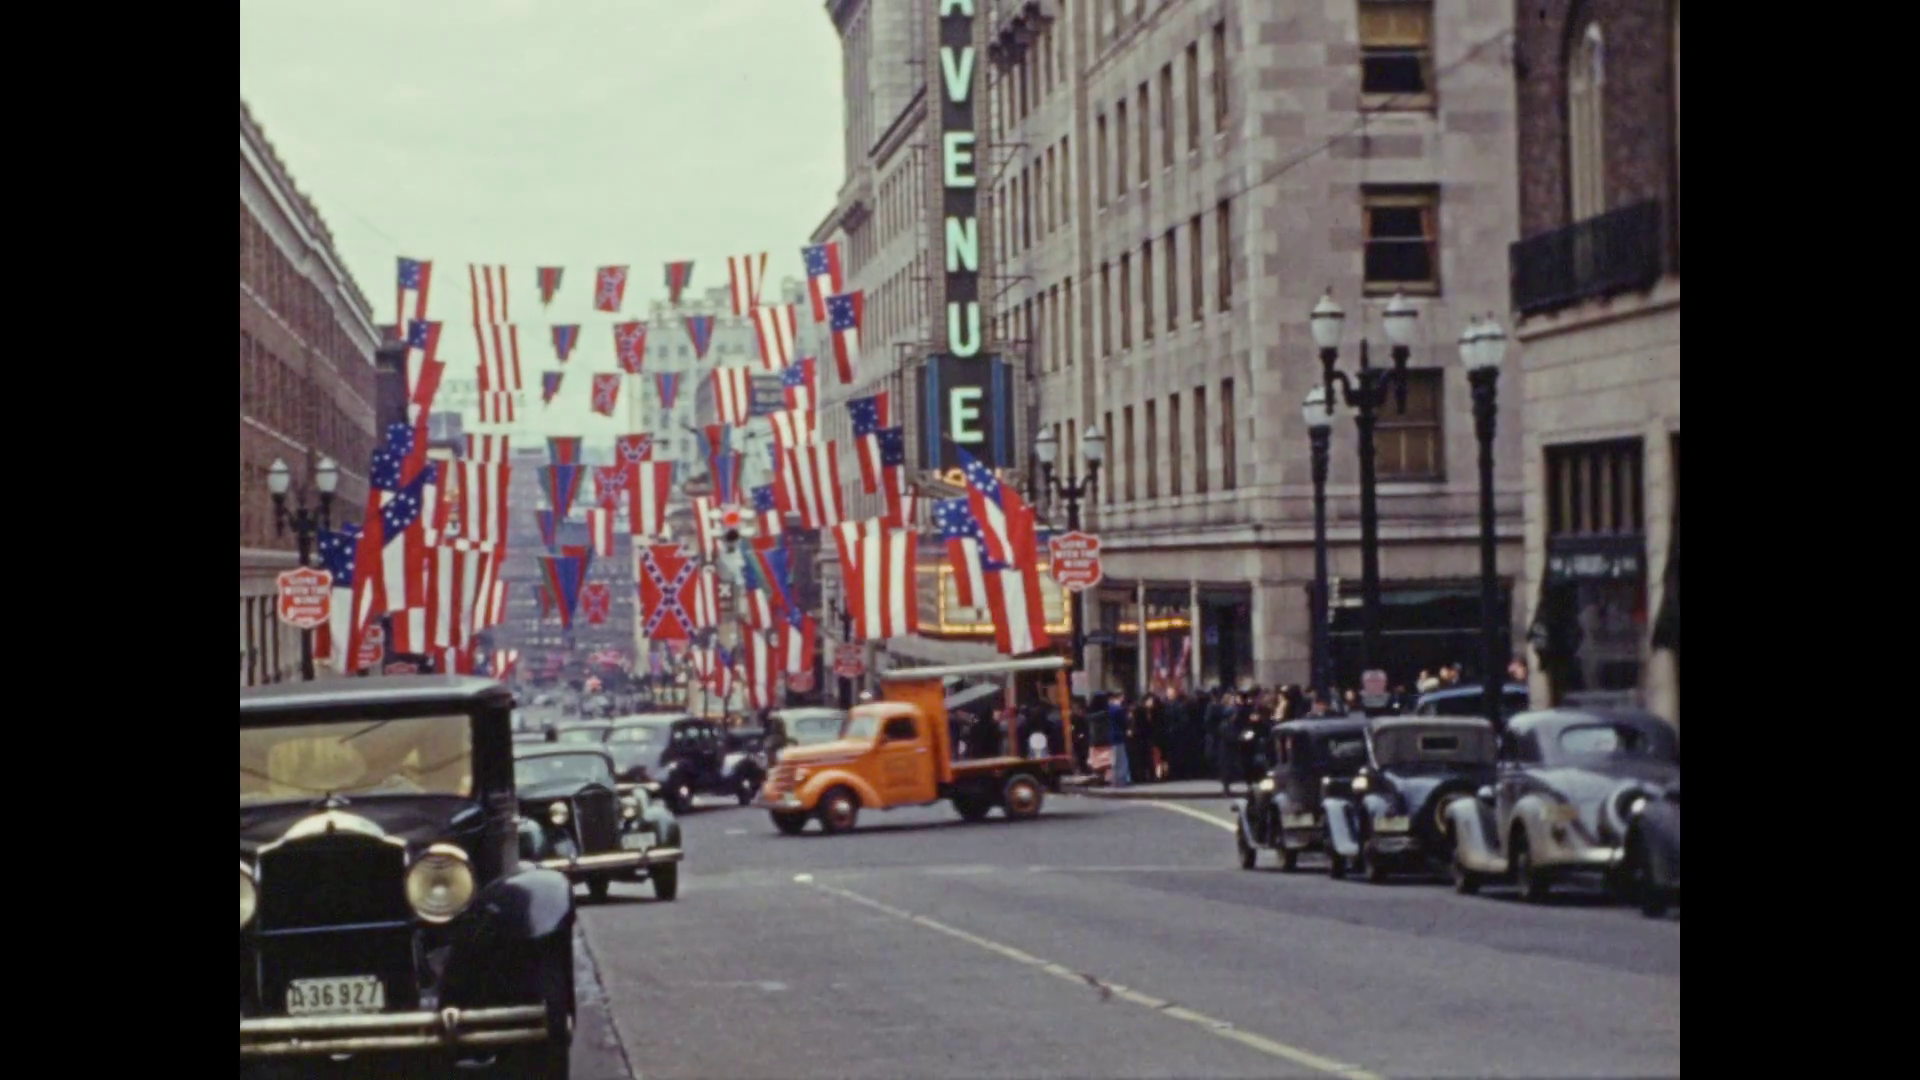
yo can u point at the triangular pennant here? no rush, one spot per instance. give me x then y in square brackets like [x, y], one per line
[549, 385]
[668, 384]
[561, 484]
[564, 575]
[564, 449]
[564, 339]
[679, 276]
[700, 329]
[549, 529]
[549, 284]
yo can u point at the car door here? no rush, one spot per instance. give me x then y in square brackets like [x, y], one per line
[906, 763]
[709, 750]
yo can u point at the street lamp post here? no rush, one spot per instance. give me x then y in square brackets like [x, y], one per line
[1093, 447]
[1320, 430]
[1482, 348]
[306, 524]
[1366, 392]
[846, 636]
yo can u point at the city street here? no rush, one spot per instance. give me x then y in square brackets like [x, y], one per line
[1109, 938]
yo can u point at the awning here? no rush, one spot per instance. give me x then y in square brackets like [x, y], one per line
[973, 695]
[1666, 624]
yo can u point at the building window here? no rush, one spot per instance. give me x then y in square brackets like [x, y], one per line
[1593, 612]
[1148, 465]
[1396, 54]
[1402, 240]
[1120, 143]
[1196, 271]
[1126, 451]
[1026, 210]
[1193, 96]
[1049, 221]
[1106, 314]
[1065, 182]
[1173, 283]
[1586, 119]
[1594, 489]
[1223, 252]
[1100, 163]
[1146, 299]
[1110, 484]
[1407, 445]
[1146, 137]
[1166, 115]
[1228, 459]
[1200, 440]
[1173, 445]
[1126, 302]
[1072, 317]
[1220, 78]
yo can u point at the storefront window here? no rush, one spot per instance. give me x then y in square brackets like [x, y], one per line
[1590, 624]
[1226, 637]
[1424, 625]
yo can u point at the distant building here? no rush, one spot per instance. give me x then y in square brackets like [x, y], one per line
[307, 386]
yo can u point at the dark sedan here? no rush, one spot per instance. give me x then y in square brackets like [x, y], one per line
[574, 819]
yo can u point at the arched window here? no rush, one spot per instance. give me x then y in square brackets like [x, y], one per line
[1586, 157]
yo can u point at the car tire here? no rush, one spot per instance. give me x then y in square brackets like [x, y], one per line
[682, 798]
[552, 1059]
[1248, 853]
[1526, 877]
[972, 807]
[1336, 866]
[1022, 798]
[1289, 859]
[839, 811]
[1376, 872]
[788, 824]
[747, 788]
[666, 882]
[1650, 898]
[1465, 881]
[598, 888]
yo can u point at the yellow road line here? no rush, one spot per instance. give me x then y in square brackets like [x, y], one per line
[1208, 1024]
[1201, 815]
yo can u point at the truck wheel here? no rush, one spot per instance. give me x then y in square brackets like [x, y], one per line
[1022, 798]
[839, 810]
[972, 807]
[788, 824]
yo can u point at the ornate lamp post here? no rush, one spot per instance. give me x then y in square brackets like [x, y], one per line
[1483, 345]
[1366, 392]
[1320, 431]
[1093, 447]
[306, 524]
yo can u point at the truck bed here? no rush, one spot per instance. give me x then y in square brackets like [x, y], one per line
[973, 767]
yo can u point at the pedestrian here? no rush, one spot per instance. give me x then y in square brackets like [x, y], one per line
[1227, 745]
[1140, 739]
[1118, 734]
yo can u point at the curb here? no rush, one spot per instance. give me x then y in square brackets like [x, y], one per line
[1149, 793]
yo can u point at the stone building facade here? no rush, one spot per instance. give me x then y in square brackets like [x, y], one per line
[1596, 286]
[307, 387]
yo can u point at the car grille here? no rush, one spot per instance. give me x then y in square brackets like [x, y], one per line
[332, 881]
[781, 780]
[386, 953]
[597, 818]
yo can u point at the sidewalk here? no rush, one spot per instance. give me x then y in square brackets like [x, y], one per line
[1168, 789]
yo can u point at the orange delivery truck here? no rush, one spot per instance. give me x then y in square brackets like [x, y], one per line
[898, 751]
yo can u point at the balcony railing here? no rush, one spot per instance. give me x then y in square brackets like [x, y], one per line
[1615, 252]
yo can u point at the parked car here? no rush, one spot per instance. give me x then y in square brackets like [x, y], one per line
[579, 731]
[1569, 783]
[575, 819]
[1317, 759]
[1653, 853]
[1416, 767]
[1471, 701]
[685, 755]
[382, 909]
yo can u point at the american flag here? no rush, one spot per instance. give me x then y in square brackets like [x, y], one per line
[606, 392]
[733, 394]
[549, 280]
[600, 530]
[994, 504]
[415, 277]
[953, 522]
[630, 345]
[453, 584]
[650, 488]
[799, 384]
[767, 511]
[609, 288]
[823, 275]
[489, 285]
[776, 328]
[745, 273]
[706, 598]
[679, 276]
[869, 414]
[499, 347]
[893, 477]
[487, 447]
[499, 407]
[756, 598]
[482, 499]
[424, 367]
[336, 557]
[386, 568]
[881, 578]
[812, 481]
[797, 637]
[793, 428]
[844, 313]
[762, 668]
[1013, 592]
[700, 329]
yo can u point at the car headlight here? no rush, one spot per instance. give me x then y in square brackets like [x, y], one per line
[440, 883]
[629, 808]
[1267, 784]
[558, 813]
[1359, 783]
[1638, 804]
[249, 896]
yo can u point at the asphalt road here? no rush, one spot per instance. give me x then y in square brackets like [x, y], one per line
[1111, 939]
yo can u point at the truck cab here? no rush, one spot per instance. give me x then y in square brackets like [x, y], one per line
[898, 752]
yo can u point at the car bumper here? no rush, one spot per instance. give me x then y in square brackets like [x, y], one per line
[301, 1036]
[788, 803]
[1394, 845]
[613, 861]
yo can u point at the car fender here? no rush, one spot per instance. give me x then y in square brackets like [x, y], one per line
[1376, 805]
[1476, 837]
[1657, 828]
[532, 903]
[1343, 826]
[499, 945]
[1530, 814]
[830, 777]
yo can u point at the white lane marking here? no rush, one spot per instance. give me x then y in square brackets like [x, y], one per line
[1222, 1028]
[1200, 815]
[736, 832]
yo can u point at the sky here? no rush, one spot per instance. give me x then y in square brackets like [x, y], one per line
[572, 133]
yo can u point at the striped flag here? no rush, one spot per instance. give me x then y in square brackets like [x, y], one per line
[487, 447]
[893, 476]
[793, 428]
[499, 350]
[706, 598]
[870, 415]
[844, 313]
[600, 530]
[761, 668]
[336, 555]
[994, 504]
[953, 522]
[498, 407]
[414, 279]
[812, 481]
[775, 328]
[733, 394]
[881, 578]
[453, 571]
[745, 275]
[489, 285]
[797, 637]
[705, 542]
[1013, 591]
[649, 487]
[481, 500]
[823, 275]
[799, 384]
[766, 511]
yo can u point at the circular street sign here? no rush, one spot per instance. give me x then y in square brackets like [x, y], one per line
[849, 660]
[1074, 560]
[800, 682]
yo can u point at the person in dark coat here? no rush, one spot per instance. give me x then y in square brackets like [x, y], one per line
[1141, 738]
[1227, 742]
[983, 737]
[1118, 733]
[776, 738]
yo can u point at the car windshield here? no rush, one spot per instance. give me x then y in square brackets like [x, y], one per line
[581, 735]
[421, 755]
[551, 768]
[813, 729]
[1618, 741]
[860, 726]
[1402, 747]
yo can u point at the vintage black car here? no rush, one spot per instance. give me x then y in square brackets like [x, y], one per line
[1653, 853]
[1470, 701]
[1416, 767]
[1569, 783]
[685, 755]
[575, 818]
[383, 905]
[1317, 760]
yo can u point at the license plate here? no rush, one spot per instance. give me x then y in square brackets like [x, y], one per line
[1392, 824]
[340, 994]
[634, 841]
[1296, 821]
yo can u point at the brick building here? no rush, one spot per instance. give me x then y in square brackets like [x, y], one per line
[1596, 286]
[1166, 189]
[307, 386]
